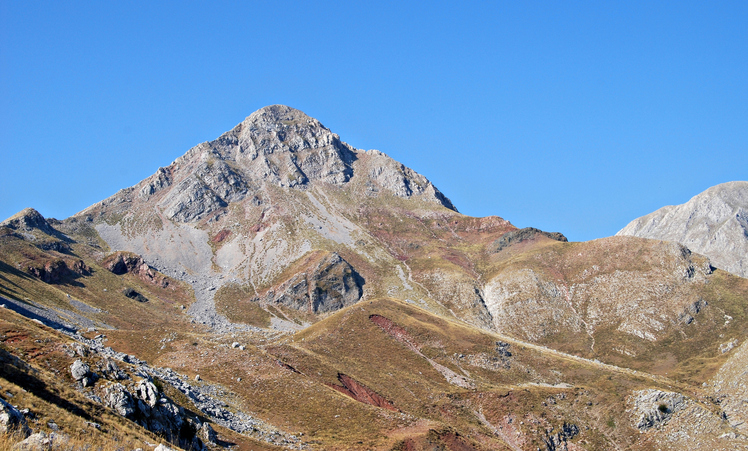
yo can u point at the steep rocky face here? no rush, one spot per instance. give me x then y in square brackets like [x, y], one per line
[329, 285]
[275, 145]
[126, 262]
[713, 223]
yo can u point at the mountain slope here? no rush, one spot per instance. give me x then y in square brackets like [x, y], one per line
[325, 297]
[713, 223]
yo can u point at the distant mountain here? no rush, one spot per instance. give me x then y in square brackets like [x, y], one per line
[713, 223]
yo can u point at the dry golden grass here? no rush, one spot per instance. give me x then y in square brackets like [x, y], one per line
[80, 442]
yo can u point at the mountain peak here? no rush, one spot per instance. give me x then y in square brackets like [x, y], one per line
[275, 146]
[278, 113]
[27, 220]
[713, 223]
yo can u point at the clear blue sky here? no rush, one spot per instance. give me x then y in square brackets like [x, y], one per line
[567, 116]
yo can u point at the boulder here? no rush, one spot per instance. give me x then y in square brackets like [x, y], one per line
[80, 370]
[42, 441]
[12, 420]
[119, 399]
[147, 392]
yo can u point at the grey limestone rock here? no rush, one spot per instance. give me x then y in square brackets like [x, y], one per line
[713, 223]
[653, 408]
[402, 181]
[158, 181]
[191, 200]
[275, 145]
[146, 391]
[12, 420]
[42, 441]
[119, 399]
[80, 370]
[329, 285]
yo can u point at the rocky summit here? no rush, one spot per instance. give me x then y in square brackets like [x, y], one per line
[278, 288]
[713, 223]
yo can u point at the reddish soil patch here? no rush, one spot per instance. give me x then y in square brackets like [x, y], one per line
[394, 331]
[361, 392]
[222, 235]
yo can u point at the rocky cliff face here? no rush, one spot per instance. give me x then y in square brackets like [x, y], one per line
[713, 223]
[329, 284]
[276, 145]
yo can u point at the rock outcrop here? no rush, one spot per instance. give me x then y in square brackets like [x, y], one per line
[518, 236]
[652, 408]
[57, 270]
[713, 223]
[127, 262]
[12, 420]
[81, 372]
[328, 285]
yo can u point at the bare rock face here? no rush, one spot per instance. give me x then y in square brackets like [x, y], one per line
[389, 175]
[328, 286]
[127, 262]
[191, 200]
[276, 145]
[713, 223]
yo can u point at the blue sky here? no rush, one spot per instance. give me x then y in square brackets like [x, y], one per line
[567, 116]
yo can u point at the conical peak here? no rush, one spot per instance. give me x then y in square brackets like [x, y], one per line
[28, 219]
[27, 216]
[277, 115]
